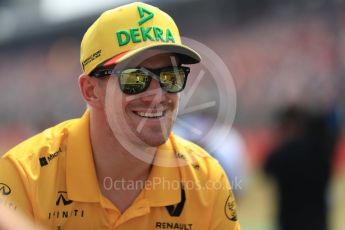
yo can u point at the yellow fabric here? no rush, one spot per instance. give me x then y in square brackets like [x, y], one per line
[131, 28]
[51, 177]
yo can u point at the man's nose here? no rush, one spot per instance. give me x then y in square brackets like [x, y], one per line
[154, 92]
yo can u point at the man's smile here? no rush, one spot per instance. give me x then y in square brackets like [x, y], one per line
[157, 114]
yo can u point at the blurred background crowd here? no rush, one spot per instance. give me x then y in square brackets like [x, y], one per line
[285, 155]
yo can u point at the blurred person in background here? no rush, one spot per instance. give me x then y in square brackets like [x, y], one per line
[231, 154]
[119, 166]
[301, 167]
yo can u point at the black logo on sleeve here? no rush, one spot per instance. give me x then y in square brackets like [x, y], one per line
[5, 189]
[176, 210]
[62, 198]
[44, 160]
[230, 208]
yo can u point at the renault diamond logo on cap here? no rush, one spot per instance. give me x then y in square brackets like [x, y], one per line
[142, 12]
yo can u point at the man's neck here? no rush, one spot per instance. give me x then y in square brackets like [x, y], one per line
[115, 165]
[114, 161]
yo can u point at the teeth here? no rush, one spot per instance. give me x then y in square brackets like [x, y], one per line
[150, 115]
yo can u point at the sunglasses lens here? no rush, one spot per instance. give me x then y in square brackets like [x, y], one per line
[134, 81]
[173, 80]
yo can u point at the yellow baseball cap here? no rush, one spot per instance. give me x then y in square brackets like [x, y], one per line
[123, 32]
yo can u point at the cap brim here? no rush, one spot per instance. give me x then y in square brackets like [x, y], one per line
[186, 54]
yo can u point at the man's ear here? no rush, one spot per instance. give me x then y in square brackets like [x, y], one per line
[90, 91]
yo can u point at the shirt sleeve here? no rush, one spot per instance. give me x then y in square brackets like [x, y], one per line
[224, 214]
[13, 192]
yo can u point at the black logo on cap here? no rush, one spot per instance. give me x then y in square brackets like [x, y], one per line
[176, 210]
[5, 189]
[63, 199]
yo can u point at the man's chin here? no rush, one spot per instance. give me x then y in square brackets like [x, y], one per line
[154, 140]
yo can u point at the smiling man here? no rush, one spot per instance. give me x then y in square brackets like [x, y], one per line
[119, 166]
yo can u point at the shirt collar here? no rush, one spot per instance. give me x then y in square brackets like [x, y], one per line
[164, 181]
[81, 178]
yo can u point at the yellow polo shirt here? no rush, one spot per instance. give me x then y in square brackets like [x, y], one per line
[51, 177]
